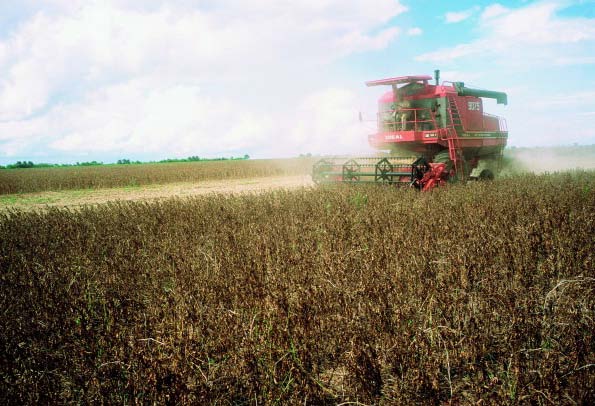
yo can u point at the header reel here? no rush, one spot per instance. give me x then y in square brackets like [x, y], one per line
[399, 171]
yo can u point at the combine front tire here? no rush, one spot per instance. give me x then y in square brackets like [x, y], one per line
[485, 170]
[486, 174]
[443, 157]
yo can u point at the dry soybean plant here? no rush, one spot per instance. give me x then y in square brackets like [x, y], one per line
[107, 176]
[478, 293]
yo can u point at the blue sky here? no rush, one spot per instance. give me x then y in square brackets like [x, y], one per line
[110, 79]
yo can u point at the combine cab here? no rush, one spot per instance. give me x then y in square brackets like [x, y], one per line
[434, 134]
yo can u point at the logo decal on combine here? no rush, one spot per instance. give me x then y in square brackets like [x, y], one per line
[394, 137]
[473, 105]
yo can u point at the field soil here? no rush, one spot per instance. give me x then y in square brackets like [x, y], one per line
[70, 198]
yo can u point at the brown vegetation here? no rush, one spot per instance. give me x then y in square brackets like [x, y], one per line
[70, 198]
[108, 176]
[483, 292]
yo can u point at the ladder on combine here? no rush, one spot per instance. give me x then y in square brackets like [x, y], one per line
[451, 132]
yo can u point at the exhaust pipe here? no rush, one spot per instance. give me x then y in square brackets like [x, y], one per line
[437, 76]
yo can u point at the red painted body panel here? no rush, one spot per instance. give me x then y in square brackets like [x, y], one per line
[418, 140]
[490, 123]
[387, 97]
[470, 109]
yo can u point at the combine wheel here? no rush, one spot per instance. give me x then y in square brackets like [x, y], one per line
[485, 170]
[486, 174]
[443, 157]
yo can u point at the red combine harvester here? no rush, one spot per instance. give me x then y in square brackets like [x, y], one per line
[442, 129]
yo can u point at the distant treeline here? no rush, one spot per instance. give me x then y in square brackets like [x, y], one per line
[30, 164]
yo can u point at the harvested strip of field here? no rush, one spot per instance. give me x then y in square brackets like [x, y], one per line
[110, 176]
[70, 198]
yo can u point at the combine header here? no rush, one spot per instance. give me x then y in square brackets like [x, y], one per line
[431, 135]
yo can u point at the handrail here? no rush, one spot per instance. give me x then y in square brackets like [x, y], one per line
[502, 125]
[407, 125]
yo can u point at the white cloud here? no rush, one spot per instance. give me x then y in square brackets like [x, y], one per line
[538, 24]
[540, 57]
[132, 118]
[458, 16]
[540, 116]
[356, 41]
[571, 102]
[171, 77]
[528, 35]
[412, 32]
[493, 10]
[461, 75]
[331, 126]
[574, 60]
[138, 117]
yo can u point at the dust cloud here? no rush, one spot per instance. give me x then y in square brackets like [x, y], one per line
[549, 159]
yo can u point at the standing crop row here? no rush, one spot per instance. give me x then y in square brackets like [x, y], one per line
[107, 176]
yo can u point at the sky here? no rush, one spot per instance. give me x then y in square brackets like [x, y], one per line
[153, 79]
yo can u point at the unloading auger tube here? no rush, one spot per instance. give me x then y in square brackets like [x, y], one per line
[402, 171]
